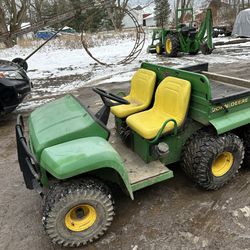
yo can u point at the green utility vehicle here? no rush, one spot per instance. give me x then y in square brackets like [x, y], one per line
[185, 37]
[187, 115]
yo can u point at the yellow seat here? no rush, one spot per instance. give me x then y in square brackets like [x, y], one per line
[140, 96]
[171, 102]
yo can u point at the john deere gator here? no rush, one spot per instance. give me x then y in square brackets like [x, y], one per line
[189, 115]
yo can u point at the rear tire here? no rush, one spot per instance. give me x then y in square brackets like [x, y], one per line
[246, 139]
[212, 160]
[205, 50]
[172, 45]
[193, 53]
[78, 212]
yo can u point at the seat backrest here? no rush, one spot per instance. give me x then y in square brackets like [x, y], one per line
[172, 98]
[142, 86]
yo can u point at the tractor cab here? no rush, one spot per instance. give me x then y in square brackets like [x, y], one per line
[185, 22]
[188, 31]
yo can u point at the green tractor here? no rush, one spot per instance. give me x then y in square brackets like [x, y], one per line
[71, 159]
[185, 37]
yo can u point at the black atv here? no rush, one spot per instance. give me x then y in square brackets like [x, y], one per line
[14, 85]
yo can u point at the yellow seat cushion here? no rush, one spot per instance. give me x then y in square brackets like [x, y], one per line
[171, 102]
[140, 95]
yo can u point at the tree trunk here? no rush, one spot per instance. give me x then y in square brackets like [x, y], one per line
[9, 42]
[4, 30]
[17, 16]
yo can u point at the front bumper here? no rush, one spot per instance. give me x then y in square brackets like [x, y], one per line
[12, 93]
[28, 163]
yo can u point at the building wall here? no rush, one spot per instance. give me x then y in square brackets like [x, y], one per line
[128, 22]
[150, 22]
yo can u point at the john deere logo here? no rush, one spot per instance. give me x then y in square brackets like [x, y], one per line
[229, 105]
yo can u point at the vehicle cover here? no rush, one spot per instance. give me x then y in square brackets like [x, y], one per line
[242, 24]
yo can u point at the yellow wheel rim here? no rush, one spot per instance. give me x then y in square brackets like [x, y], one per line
[222, 164]
[158, 49]
[80, 218]
[168, 46]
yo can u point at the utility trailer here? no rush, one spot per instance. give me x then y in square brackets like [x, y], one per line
[225, 30]
[187, 115]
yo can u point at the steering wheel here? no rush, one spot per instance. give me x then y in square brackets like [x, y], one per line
[110, 96]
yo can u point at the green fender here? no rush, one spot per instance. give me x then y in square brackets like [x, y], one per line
[231, 120]
[83, 155]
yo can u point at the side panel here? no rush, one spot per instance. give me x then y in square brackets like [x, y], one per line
[80, 156]
[143, 147]
[176, 143]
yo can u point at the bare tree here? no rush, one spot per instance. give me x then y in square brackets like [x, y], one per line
[36, 6]
[12, 14]
[181, 4]
[116, 11]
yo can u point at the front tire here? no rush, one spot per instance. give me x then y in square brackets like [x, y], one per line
[78, 212]
[158, 48]
[212, 160]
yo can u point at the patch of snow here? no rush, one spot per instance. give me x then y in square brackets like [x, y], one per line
[134, 247]
[246, 211]
[33, 104]
[235, 213]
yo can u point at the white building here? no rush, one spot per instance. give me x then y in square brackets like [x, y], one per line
[144, 16]
[128, 22]
[149, 21]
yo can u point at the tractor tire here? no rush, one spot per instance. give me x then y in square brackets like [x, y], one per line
[193, 53]
[172, 45]
[211, 160]
[205, 50]
[77, 212]
[158, 48]
[246, 139]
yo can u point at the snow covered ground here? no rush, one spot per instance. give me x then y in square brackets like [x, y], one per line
[56, 70]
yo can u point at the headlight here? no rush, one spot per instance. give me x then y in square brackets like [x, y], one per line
[11, 75]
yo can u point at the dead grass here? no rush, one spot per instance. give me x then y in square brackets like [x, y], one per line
[26, 42]
[73, 41]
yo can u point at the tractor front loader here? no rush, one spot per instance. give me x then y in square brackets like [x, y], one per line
[185, 37]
